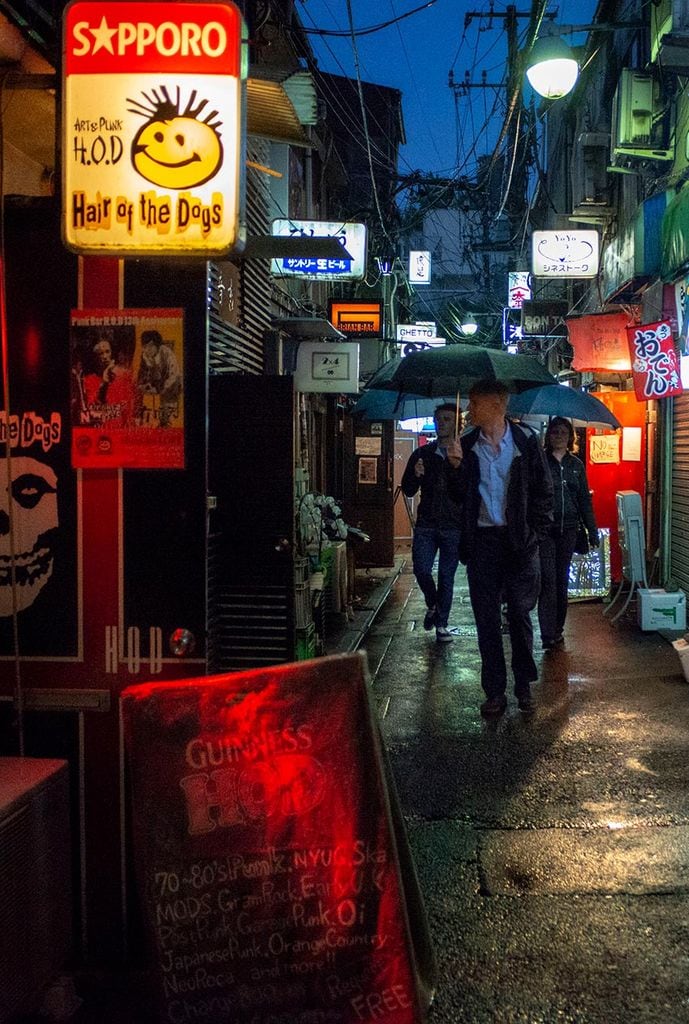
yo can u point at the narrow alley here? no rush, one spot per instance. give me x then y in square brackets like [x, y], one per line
[553, 852]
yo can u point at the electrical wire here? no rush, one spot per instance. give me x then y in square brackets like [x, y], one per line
[372, 28]
[412, 76]
[364, 119]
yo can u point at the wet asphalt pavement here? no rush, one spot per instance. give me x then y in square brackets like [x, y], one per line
[552, 851]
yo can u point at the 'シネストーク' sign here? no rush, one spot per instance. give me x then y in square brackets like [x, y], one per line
[152, 133]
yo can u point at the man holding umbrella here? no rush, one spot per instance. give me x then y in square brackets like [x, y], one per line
[437, 521]
[498, 474]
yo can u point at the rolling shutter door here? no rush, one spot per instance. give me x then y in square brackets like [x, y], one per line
[679, 512]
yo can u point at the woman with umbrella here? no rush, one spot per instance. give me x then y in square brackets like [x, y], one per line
[572, 504]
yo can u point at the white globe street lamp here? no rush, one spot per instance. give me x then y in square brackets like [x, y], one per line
[552, 70]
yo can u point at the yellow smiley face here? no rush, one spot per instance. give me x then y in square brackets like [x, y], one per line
[177, 153]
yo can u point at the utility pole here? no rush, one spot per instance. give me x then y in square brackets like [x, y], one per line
[515, 172]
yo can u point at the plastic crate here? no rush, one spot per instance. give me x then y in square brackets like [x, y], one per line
[302, 605]
[306, 643]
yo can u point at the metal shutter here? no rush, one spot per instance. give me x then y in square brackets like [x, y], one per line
[679, 512]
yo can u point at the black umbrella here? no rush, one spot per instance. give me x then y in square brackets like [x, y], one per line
[558, 400]
[453, 369]
[381, 404]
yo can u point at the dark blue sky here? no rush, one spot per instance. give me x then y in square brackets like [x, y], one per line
[415, 56]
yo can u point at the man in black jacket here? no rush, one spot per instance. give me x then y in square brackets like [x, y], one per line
[498, 474]
[437, 522]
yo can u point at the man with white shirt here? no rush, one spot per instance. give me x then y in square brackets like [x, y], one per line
[498, 474]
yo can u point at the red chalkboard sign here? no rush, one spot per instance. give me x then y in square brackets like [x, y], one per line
[272, 864]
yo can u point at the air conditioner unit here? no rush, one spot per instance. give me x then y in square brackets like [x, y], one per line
[670, 34]
[640, 118]
[35, 881]
[590, 189]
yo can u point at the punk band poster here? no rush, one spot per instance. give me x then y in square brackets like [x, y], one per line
[39, 556]
[127, 388]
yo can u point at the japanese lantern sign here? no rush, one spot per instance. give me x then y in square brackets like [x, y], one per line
[655, 366]
[152, 132]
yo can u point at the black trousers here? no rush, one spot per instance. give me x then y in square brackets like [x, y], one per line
[495, 573]
[556, 556]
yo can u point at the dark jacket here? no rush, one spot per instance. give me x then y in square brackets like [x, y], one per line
[437, 509]
[571, 495]
[529, 499]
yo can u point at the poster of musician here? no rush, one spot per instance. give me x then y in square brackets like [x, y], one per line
[127, 395]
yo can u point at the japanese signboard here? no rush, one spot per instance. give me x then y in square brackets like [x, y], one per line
[545, 318]
[518, 288]
[152, 136]
[269, 850]
[655, 364]
[511, 327]
[328, 367]
[565, 254]
[599, 342]
[351, 236]
[419, 267]
[357, 319]
[682, 306]
[127, 400]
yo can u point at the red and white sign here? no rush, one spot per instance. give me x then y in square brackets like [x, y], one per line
[152, 133]
[518, 288]
[655, 364]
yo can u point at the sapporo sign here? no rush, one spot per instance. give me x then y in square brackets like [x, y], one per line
[152, 134]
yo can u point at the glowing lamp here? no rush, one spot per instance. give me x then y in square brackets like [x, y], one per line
[552, 70]
[469, 326]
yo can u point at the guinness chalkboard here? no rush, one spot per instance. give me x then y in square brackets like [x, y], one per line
[271, 860]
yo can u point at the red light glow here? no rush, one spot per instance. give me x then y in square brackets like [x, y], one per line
[263, 837]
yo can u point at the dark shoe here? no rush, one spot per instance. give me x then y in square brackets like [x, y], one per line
[494, 706]
[443, 635]
[429, 619]
[548, 645]
[525, 704]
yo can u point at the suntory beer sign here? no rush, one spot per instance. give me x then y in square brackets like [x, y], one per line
[152, 133]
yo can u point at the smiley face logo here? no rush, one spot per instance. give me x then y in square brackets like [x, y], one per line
[175, 148]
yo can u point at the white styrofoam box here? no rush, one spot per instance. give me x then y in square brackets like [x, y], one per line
[659, 610]
[682, 648]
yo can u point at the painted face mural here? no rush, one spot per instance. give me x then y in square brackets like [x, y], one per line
[174, 148]
[31, 499]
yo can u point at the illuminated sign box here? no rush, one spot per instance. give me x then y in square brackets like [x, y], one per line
[518, 288]
[419, 266]
[152, 135]
[351, 236]
[330, 367]
[357, 319]
[565, 254]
